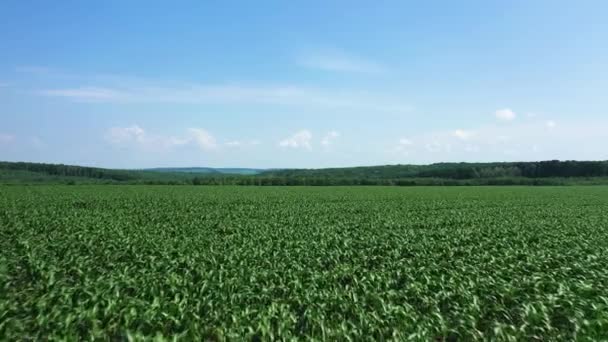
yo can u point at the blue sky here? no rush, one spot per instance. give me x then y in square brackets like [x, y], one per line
[134, 84]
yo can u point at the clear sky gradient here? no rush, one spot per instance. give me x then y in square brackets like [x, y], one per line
[132, 84]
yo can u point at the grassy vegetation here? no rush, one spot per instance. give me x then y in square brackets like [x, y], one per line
[325, 263]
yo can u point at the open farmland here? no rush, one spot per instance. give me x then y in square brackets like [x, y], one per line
[331, 263]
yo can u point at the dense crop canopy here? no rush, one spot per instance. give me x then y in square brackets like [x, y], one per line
[233, 263]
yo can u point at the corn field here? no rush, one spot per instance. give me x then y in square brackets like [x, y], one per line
[303, 263]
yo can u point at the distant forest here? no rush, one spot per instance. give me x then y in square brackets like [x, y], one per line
[552, 172]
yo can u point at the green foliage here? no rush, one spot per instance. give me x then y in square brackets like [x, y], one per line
[303, 263]
[38, 173]
[456, 171]
[528, 173]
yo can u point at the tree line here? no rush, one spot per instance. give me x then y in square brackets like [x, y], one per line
[552, 172]
[541, 169]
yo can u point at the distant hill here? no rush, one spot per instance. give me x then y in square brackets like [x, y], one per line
[208, 170]
[24, 172]
[551, 172]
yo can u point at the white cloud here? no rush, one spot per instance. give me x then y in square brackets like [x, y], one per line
[462, 134]
[338, 61]
[404, 146]
[135, 135]
[240, 143]
[505, 114]
[471, 148]
[329, 138]
[203, 138]
[405, 142]
[522, 140]
[6, 138]
[433, 146]
[300, 139]
[550, 124]
[119, 135]
[169, 142]
[234, 143]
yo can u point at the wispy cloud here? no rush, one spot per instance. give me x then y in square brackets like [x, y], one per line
[137, 136]
[338, 61]
[87, 94]
[202, 138]
[404, 145]
[505, 114]
[435, 146]
[300, 139]
[36, 142]
[23, 141]
[103, 88]
[405, 142]
[231, 94]
[330, 138]
[463, 134]
[234, 143]
[119, 135]
[241, 143]
[519, 141]
[6, 138]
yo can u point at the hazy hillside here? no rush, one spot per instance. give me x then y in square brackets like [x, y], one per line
[208, 170]
[23, 172]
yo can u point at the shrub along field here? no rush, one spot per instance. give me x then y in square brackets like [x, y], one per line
[330, 263]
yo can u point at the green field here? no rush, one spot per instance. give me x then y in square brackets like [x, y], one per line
[329, 263]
